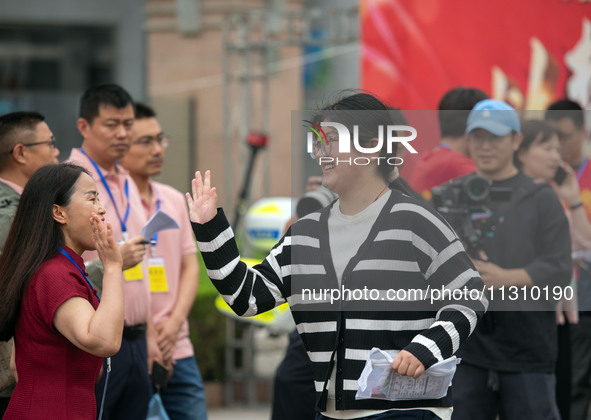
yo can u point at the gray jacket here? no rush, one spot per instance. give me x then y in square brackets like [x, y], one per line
[8, 203]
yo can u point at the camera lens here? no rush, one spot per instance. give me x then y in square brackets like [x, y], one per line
[477, 188]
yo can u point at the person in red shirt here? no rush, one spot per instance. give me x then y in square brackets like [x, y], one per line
[449, 160]
[61, 331]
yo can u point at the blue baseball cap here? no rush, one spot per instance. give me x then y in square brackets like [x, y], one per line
[495, 116]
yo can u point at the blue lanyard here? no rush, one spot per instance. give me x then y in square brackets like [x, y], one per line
[104, 181]
[68, 256]
[581, 169]
[154, 239]
[444, 146]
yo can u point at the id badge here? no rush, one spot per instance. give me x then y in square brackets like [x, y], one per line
[157, 275]
[134, 273]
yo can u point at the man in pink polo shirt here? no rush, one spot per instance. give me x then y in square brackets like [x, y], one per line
[26, 144]
[173, 268]
[106, 122]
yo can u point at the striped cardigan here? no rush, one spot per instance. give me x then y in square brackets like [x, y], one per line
[408, 247]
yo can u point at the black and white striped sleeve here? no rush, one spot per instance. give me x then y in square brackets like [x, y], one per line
[248, 291]
[445, 267]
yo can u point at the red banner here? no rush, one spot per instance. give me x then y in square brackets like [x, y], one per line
[526, 52]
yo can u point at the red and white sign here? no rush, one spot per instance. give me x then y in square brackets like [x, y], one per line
[526, 52]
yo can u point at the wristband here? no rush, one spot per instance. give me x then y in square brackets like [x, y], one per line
[576, 206]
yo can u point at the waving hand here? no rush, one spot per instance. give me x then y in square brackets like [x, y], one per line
[203, 203]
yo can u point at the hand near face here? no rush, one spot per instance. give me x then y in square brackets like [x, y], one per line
[569, 189]
[105, 243]
[203, 203]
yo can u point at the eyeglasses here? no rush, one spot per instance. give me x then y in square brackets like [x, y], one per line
[51, 142]
[322, 147]
[147, 142]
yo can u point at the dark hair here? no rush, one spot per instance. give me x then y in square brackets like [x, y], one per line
[106, 95]
[34, 236]
[12, 127]
[368, 122]
[534, 131]
[143, 111]
[401, 185]
[398, 117]
[454, 107]
[565, 108]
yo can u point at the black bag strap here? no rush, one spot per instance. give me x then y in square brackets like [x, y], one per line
[518, 195]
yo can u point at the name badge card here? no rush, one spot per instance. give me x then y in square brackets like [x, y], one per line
[157, 275]
[134, 273]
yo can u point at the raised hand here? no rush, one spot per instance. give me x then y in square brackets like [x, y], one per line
[105, 243]
[203, 203]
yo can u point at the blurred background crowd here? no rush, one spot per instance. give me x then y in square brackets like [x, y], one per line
[226, 75]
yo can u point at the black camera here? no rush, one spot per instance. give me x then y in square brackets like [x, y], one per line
[465, 204]
[315, 200]
[466, 192]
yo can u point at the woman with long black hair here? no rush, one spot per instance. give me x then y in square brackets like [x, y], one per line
[61, 331]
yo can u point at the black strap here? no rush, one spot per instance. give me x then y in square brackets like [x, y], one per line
[488, 321]
[518, 195]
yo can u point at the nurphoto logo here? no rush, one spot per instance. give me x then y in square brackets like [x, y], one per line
[317, 140]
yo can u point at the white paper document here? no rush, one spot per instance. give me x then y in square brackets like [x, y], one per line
[582, 255]
[379, 381]
[159, 221]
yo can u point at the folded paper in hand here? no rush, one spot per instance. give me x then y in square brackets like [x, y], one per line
[159, 221]
[379, 381]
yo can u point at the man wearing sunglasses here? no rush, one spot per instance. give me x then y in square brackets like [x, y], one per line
[26, 144]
